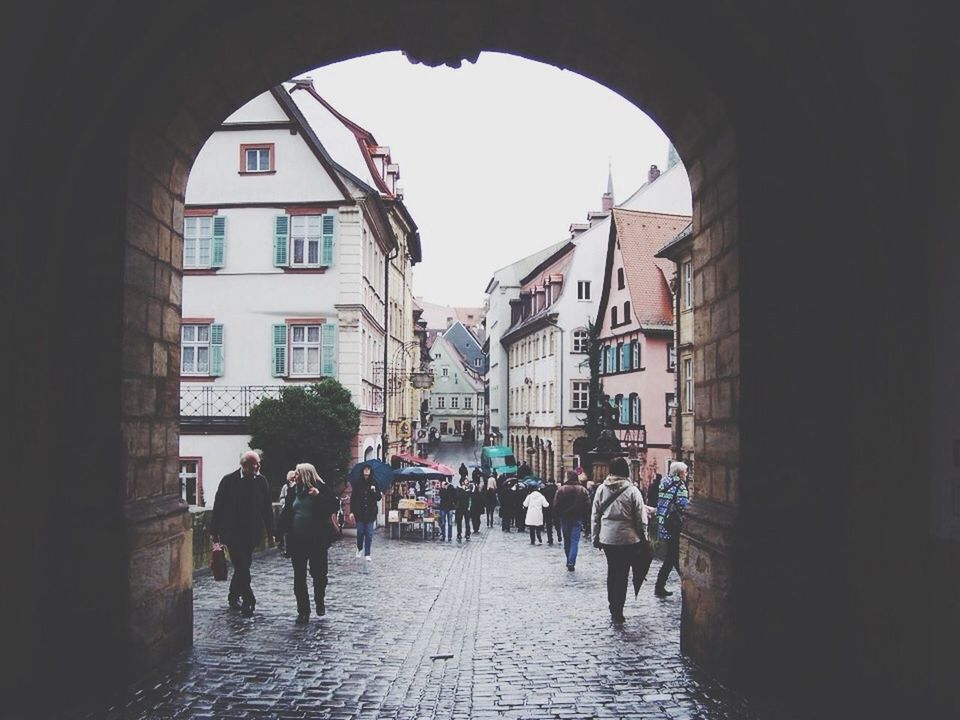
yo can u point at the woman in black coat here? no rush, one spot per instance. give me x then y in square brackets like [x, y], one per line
[310, 531]
[490, 500]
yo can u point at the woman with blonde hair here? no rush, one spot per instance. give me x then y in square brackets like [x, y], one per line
[306, 520]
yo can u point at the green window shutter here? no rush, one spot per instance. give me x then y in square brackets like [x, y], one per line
[326, 253]
[216, 350]
[278, 361]
[219, 233]
[281, 240]
[328, 348]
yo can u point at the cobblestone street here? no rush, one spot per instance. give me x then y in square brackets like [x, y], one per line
[525, 639]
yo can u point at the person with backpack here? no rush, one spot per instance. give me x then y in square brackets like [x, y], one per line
[620, 530]
[549, 492]
[306, 520]
[672, 500]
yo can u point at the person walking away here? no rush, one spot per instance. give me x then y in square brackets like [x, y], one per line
[290, 483]
[507, 494]
[549, 492]
[535, 503]
[306, 520]
[672, 500]
[448, 503]
[490, 499]
[363, 507]
[242, 511]
[477, 476]
[463, 474]
[522, 492]
[620, 530]
[570, 506]
[464, 499]
[476, 506]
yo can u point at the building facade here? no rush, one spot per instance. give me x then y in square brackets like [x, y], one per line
[679, 250]
[456, 402]
[287, 240]
[635, 331]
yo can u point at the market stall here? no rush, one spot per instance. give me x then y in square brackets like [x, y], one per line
[412, 499]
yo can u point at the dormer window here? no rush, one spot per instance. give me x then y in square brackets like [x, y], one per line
[257, 159]
[621, 280]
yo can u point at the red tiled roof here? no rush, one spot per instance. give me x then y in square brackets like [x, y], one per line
[641, 235]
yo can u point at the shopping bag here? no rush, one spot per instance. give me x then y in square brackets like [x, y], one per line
[218, 562]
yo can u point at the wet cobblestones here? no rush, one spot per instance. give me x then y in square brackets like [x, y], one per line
[527, 640]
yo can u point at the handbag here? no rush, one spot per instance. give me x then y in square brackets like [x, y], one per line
[218, 562]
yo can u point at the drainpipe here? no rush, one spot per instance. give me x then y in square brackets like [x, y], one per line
[553, 323]
[678, 429]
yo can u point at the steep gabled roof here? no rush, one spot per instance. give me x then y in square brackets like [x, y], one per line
[640, 235]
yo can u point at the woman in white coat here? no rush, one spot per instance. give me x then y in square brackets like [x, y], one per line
[535, 502]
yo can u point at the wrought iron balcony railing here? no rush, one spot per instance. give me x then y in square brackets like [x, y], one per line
[223, 401]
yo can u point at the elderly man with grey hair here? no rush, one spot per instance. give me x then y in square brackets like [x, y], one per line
[242, 511]
[671, 502]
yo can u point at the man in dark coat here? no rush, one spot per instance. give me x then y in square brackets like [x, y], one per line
[549, 492]
[448, 503]
[507, 495]
[571, 505]
[242, 512]
[464, 503]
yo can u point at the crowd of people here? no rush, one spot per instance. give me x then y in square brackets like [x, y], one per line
[620, 517]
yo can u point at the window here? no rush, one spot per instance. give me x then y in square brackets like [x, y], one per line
[668, 401]
[191, 487]
[310, 347]
[477, 362]
[468, 402]
[543, 346]
[621, 281]
[624, 353]
[613, 315]
[626, 311]
[580, 395]
[634, 409]
[623, 410]
[550, 396]
[256, 158]
[303, 241]
[688, 285]
[635, 354]
[543, 397]
[201, 350]
[611, 359]
[443, 427]
[688, 385]
[203, 240]
[441, 402]
[457, 427]
[444, 372]
[454, 402]
[305, 350]
[581, 340]
[583, 290]
[671, 357]
[553, 343]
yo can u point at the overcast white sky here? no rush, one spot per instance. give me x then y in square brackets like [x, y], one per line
[496, 159]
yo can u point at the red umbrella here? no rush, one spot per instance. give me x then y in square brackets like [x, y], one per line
[441, 468]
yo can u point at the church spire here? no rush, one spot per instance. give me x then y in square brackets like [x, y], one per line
[607, 200]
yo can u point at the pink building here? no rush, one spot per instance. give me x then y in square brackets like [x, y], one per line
[635, 323]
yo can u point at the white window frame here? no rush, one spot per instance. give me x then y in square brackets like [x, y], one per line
[583, 290]
[580, 395]
[468, 402]
[688, 285]
[441, 402]
[305, 346]
[307, 229]
[454, 402]
[260, 152]
[195, 345]
[688, 384]
[195, 477]
[671, 357]
[444, 372]
[194, 235]
[581, 341]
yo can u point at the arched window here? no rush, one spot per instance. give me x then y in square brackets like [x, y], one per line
[634, 409]
[613, 315]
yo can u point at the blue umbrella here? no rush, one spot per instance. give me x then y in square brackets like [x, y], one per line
[415, 472]
[532, 482]
[382, 473]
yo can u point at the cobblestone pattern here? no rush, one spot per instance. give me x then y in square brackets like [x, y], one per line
[527, 638]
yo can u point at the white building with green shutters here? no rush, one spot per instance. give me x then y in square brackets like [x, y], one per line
[290, 213]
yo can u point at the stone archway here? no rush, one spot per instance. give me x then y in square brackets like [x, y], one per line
[790, 167]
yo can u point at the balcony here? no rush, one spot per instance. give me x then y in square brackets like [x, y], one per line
[224, 407]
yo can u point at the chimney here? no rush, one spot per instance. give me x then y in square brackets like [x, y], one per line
[653, 173]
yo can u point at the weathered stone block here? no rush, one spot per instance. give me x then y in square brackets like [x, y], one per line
[134, 309]
[141, 230]
[154, 318]
[150, 572]
[138, 271]
[175, 296]
[162, 205]
[160, 356]
[158, 439]
[136, 436]
[171, 324]
[728, 271]
[728, 355]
